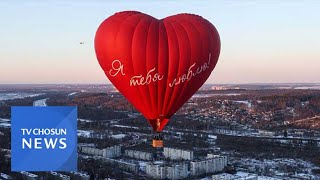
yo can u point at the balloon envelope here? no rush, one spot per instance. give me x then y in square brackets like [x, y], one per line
[157, 64]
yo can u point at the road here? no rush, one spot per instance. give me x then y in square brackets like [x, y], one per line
[302, 120]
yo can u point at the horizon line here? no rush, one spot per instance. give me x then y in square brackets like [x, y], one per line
[203, 84]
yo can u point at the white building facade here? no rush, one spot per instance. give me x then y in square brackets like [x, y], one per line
[211, 165]
[177, 154]
[178, 171]
[109, 152]
[138, 155]
[160, 171]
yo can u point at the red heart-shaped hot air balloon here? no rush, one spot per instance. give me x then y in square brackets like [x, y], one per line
[157, 64]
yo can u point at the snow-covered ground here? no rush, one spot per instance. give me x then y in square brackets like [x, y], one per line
[121, 126]
[248, 103]
[4, 176]
[4, 120]
[73, 93]
[41, 102]
[279, 168]
[84, 133]
[211, 95]
[84, 120]
[5, 123]
[307, 87]
[118, 136]
[241, 176]
[10, 96]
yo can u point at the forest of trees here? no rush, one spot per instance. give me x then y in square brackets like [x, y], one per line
[281, 105]
[99, 106]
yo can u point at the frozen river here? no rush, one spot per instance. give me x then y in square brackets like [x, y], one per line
[9, 96]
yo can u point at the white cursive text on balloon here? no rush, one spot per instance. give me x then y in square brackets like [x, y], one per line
[152, 76]
[191, 73]
[141, 80]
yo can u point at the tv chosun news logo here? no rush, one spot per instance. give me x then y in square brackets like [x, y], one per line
[44, 138]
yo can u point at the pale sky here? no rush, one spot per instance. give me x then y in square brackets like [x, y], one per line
[262, 41]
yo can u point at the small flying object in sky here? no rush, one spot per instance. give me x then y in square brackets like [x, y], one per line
[81, 42]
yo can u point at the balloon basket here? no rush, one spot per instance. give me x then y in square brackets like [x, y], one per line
[157, 141]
